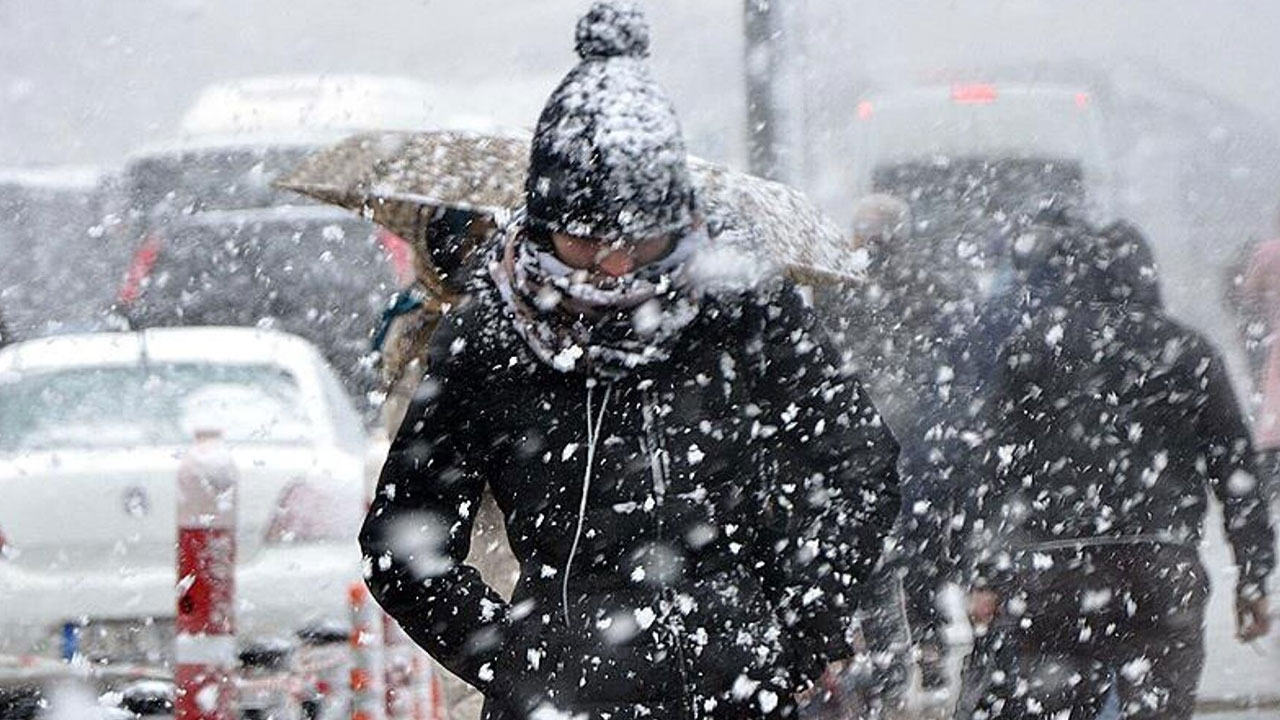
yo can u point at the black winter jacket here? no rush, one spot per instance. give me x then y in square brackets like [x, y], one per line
[1112, 423]
[735, 497]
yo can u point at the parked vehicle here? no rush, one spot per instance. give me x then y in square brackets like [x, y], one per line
[972, 158]
[283, 105]
[58, 266]
[216, 244]
[92, 429]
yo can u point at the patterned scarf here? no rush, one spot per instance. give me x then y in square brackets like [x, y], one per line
[607, 330]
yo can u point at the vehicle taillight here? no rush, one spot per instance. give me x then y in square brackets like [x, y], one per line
[865, 108]
[305, 514]
[979, 93]
[140, 269]
[1082, 100]
[400, 253]
[4, 547]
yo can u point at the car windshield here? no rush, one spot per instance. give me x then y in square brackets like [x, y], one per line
[153, 404]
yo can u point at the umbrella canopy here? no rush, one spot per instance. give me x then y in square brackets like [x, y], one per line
[401, 180]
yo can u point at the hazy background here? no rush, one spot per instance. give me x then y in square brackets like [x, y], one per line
[1191, 86]
[84, 81]
[1196, 92]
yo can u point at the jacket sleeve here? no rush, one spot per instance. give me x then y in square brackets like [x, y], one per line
[417, 533]
[1229, 460]
[832, 482]
[1010, 423]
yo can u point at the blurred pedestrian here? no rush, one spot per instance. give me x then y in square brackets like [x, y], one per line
[456, 240]
[886, 319]
[968, 382]
[887, 324]
[1261, 294]
[1248, 316]
[1113, 425]
[6, 336]
[694, 490]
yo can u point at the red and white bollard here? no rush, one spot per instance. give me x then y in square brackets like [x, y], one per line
[398, 652]
[368, 699]
[206, 644]
[428, 693]
[413, 686]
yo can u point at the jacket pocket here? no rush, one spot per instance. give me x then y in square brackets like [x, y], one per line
[527, 667]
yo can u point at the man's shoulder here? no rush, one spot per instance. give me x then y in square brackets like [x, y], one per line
[1171, 337]
[476, 336]
[1196, 353]
[1148, 333]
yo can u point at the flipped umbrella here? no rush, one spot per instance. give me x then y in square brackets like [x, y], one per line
[404, 180]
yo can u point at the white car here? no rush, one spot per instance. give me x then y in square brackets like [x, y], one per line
[92, 429]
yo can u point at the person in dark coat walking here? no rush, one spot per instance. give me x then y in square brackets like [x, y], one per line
[887, 323]
[694, 489]
[1113, 425]
[6, 336]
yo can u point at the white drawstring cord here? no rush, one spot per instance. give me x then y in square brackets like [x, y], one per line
[593, 434]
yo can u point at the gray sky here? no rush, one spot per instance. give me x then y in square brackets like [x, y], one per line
[86, 80]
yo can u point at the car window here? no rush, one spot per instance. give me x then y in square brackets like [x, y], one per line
[1014, 124]
[231, 178]
[957, 192]
[153, 404]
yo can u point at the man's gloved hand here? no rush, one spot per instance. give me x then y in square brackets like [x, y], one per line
[1252, 618]
[984, 605]
[827, 686]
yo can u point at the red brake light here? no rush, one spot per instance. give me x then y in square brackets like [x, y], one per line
[865, 108]
[980, 93]
[305, 514]
[140, 268]
[400, 253]
[1082, 100]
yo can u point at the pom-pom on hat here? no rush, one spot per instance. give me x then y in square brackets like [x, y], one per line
[608, 159]
[612, 29]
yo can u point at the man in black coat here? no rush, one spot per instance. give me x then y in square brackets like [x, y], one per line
[1111, 425]
[694, 490]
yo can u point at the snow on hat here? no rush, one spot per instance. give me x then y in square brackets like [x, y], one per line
[608, 158]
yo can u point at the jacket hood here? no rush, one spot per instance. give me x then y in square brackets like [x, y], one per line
[1112, 266]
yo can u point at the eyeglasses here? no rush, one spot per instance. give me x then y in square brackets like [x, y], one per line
[612, 258]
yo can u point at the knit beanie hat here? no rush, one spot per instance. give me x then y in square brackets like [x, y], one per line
[608, 160]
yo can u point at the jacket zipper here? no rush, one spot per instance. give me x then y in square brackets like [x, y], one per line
[654, 446]
[593, 438]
